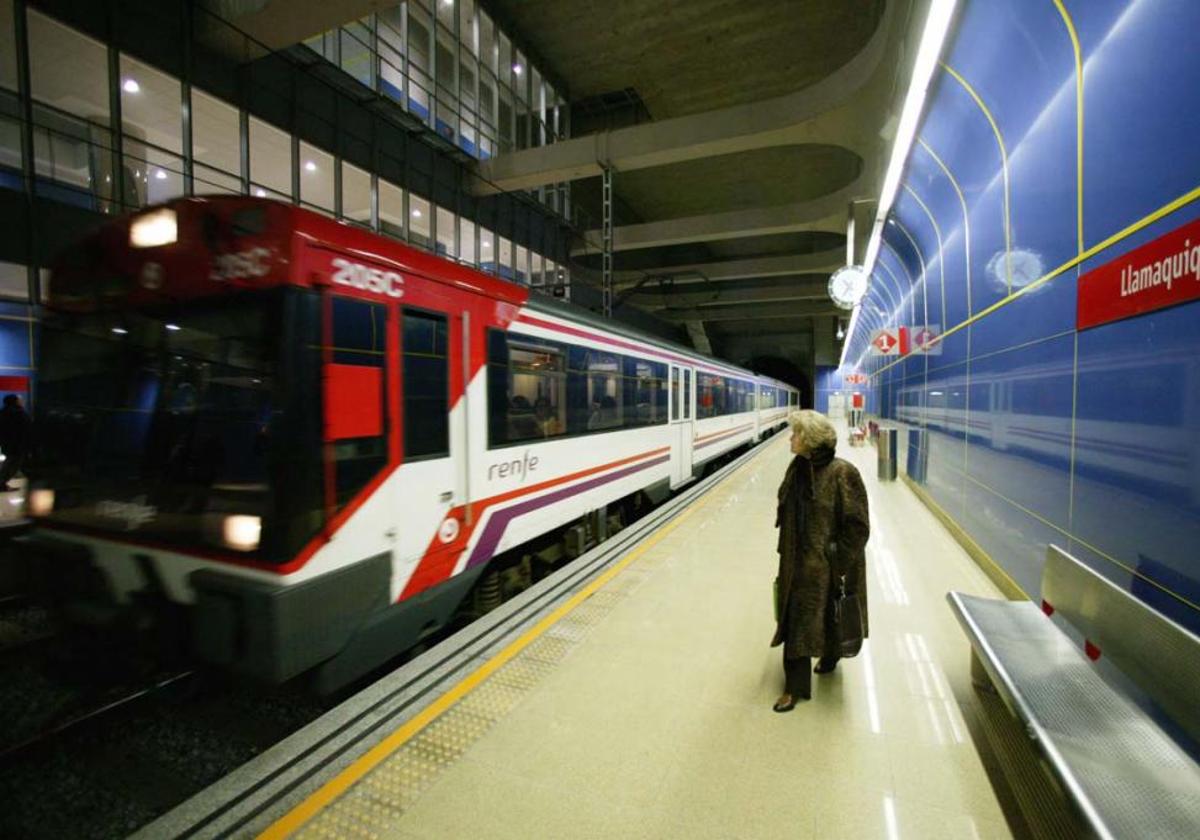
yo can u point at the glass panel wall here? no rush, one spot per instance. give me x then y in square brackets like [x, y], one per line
[391, 210]
[8, 47]
[14, 281]
[152, 132]
[76, 156]
[356, 195]
[487, 250]
[418, 221]
[505, 269]
[466, 242]
[216, 145]
[270, 160]
[445, 234]
[73, 146]
[316, 179]
[448, 63]
[521, 266]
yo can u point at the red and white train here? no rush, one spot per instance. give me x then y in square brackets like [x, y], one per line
[310, 441]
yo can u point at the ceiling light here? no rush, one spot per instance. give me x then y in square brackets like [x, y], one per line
[416, 214]
[933, 38]
[120, 330]
[131, 86]
[173, 327]
[309, 166]
[841, 333]
[517, 69]
[160, 175]
[260, 192]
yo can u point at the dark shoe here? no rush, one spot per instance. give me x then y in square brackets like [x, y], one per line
[826, 665]
[785, 707]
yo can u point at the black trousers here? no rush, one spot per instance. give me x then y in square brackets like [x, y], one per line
[797, 674]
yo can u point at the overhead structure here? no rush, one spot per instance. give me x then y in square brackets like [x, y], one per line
[741, 162]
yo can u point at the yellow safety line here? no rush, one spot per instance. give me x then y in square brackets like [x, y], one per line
[339, 784]
[1078, 112]
[1066, 533]
[924, 270]
[1166, 210]
[966, 216]
[1003, 164]
[937, 231]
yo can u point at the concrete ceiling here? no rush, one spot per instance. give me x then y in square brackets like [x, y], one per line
[739, 134]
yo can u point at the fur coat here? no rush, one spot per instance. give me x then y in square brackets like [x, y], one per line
[835, 527]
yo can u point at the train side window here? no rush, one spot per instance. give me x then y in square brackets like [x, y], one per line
[356, 394]
[604, 392]
[426, 384]
[527, 390]
[675, 393]
[645, 393]
[687, 392]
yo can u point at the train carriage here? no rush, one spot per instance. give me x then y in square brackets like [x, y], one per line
[315, 439]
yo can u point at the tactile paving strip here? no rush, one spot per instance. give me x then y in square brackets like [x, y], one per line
[373, 806]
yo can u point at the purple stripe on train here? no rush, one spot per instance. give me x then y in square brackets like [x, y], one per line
[496, 526]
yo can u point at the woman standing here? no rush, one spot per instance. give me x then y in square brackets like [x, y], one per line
[823, 524]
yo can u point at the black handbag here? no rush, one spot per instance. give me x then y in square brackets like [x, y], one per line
[845, 612]
[847, 621]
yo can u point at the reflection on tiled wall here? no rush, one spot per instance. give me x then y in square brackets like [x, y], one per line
[1024, 429]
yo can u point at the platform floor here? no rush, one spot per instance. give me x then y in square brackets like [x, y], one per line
[646, 710]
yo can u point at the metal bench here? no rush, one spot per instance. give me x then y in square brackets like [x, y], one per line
[1122, 773]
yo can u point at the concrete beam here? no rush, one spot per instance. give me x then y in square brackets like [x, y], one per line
[822, 261]
[828, 112]
[823, 214]
[280, 23]
[699, 337]
[799, 287]
[741, 312]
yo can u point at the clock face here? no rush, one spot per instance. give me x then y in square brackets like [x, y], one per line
[847, 286]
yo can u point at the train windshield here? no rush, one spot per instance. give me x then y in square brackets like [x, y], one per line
[169, 424]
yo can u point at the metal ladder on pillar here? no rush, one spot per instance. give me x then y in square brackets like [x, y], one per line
[606, 242]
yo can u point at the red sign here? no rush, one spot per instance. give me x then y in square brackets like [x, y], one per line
[1158, 274]
[925, 340]
[891, 342]
[855, 378]
[856, 401]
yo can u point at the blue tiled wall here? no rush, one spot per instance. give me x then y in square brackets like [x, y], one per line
[1037, 432]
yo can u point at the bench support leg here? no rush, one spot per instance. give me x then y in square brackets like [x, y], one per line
[979, 674]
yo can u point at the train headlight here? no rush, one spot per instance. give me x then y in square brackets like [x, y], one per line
[241, 532]
[41, 502]
[158, 227]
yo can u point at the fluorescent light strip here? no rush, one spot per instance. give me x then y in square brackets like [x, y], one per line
[937, 25]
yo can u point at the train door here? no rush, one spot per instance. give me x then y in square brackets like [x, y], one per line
[359, 399]
[435, 491]
[680, 414]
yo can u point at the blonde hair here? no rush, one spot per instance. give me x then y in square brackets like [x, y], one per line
[814, 429]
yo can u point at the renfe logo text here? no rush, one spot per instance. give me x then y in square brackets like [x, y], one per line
[368, 279]
[522, 466]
